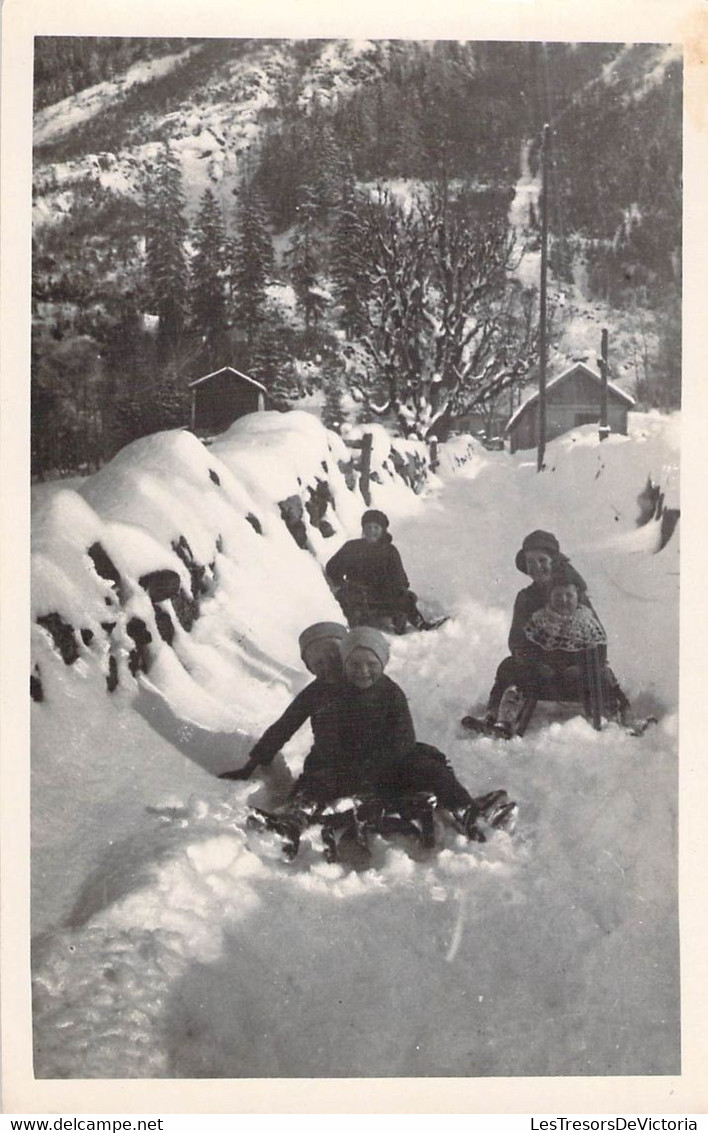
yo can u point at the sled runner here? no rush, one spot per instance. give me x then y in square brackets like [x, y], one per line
[361, 609]
[639, 727]
[346, 825]
[288, 826]
[396, 622]
[434, 623]
[592, 686]
[483, 727]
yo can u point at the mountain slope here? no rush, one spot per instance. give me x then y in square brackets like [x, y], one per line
[310, 129]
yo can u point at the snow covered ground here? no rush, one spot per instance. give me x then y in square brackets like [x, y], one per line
[171, 943]
[71, 112]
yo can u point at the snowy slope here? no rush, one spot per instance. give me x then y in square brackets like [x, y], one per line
[212, 121]
[64, 116]
[221, 678]
[215, 114]
[180, 946]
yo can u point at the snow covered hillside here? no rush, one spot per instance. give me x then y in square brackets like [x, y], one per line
[171, 942]
[221, 92]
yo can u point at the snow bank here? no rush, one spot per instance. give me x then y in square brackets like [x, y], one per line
[238, 532]
[187, 946]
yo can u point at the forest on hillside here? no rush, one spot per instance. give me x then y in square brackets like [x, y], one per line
[66, 64]
[364, 249]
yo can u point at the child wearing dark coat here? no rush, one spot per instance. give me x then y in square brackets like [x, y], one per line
[539, 554]
[559, 648]
[319, 649]
[368, 578]
[364, 740]
[361, 725]
[368, 743]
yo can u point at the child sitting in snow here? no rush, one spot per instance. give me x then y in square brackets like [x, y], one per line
[319, 649]
[560, 647]
[369, 581]
[366, 744]
[364, 741]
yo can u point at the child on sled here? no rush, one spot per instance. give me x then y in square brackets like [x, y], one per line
[369, 582]
[365, 747]
[368, 740]
[561, 654]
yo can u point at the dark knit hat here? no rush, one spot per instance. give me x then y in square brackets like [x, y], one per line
[375, 516]
[366, 637]
[319, 630]
[536, 541]
[564, 574]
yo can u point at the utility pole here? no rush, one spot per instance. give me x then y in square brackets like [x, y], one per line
[543, 348]
[604, 368]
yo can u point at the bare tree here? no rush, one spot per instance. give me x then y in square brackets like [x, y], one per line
[448, 327]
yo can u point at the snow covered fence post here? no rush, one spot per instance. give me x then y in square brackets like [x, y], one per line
[434, 462]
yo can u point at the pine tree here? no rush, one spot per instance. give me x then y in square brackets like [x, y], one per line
[253, 262]
[270, 359]
[348, 271]
[304, 257]
[324, 165]
[208, 299]
[166, 267]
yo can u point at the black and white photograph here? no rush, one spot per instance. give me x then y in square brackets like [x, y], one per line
[353, 383]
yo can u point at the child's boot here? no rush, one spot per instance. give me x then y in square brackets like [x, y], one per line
[510, 708]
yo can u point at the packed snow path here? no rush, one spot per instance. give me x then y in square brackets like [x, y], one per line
[553, 952]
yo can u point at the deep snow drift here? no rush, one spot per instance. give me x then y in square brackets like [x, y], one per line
[171, 943]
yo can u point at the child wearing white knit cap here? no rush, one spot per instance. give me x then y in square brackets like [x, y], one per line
[367, 745]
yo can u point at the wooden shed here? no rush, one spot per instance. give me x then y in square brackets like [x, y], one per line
[220, 398]
[572, 399]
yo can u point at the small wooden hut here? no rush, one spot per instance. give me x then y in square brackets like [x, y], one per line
[572, 399]
[220, 398]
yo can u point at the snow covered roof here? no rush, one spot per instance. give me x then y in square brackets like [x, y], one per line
[228, 370]
[626, 397]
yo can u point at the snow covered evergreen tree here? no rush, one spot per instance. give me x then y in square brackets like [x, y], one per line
[208, 289]
[332, 412]
[348, 270]
[166, 272]
[304, 256]
[324, 165]
[270, 358]
[253, 262]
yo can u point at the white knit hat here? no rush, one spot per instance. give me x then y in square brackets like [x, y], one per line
[366, 637]
[319, 630]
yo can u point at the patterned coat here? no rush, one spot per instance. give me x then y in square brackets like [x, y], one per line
[561, 641]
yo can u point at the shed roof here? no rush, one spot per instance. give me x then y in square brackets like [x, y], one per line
[611, 388]
[228, 370]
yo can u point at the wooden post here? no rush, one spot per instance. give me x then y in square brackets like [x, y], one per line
[542, 345]
[365, 468]
[604, 367]
[434, 454]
